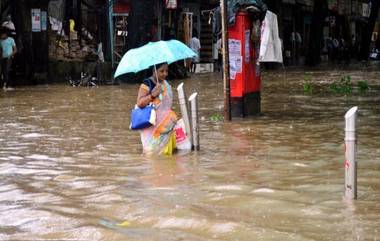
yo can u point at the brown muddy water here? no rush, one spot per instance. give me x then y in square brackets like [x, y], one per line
[70, 169]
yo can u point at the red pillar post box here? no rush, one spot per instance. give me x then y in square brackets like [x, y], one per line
[245, 77]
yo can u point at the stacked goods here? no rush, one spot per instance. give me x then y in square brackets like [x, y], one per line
[63, 48]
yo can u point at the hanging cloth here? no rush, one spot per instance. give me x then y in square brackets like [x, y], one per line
[271, 47]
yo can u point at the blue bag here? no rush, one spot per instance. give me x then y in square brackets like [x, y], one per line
[142, 118]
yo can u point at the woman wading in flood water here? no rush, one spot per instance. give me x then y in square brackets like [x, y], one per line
[160, 138]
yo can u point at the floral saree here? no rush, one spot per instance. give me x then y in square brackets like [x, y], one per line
[160, 138]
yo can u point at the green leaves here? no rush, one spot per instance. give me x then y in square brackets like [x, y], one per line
[342, 86]
[308, 87]
[363, 86]
[216, 117]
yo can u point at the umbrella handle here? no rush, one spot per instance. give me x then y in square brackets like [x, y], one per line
[155, 71]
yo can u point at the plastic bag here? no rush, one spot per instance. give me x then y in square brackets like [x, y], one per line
[182, 139]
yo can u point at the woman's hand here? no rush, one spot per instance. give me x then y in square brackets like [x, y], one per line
[156, 91]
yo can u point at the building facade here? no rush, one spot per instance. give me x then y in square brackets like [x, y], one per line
[86, 30]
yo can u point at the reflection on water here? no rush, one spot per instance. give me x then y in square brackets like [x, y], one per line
[71, 169]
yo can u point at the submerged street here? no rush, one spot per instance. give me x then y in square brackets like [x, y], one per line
[70, 168]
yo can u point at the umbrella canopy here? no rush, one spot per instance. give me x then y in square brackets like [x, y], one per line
[151, 54]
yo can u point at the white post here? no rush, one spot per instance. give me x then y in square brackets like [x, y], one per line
[193, 99]
[184, 111]
[350, 155]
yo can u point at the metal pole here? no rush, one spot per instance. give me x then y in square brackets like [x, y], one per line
[350, 189]
[111, 31]
[184, 111]
[226, 66]
[79, 9]
[193, 99]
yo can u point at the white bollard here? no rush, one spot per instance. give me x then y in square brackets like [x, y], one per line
[184, 110]
[193, 99]
[350, 189]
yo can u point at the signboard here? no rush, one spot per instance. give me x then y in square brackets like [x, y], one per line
[171, 4]
[43, 20]
[121, 7]
[36, 20]
[234, 46]
[365, 10]
[333, 5]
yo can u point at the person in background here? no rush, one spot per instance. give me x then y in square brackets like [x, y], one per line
[353, 45]
[195, 45]
[8, 24]
[344, 49]
[296, 41]
[215, 57]
[8, 51]
[220, 54]
[335, 50]
[160, 138]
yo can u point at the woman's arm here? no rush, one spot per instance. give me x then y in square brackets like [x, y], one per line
[143, 98]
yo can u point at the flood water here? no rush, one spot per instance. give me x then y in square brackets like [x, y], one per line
[70, 169]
